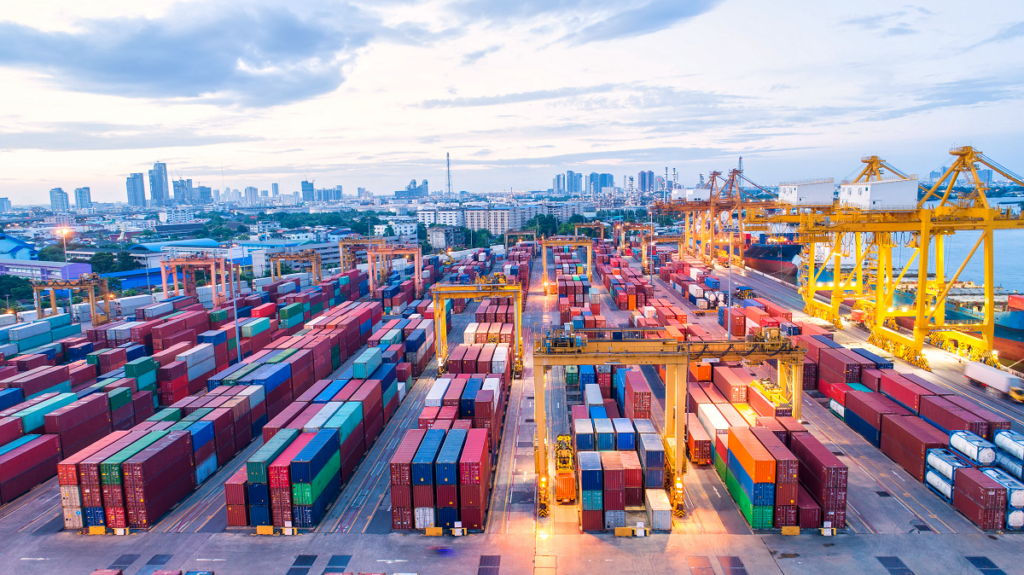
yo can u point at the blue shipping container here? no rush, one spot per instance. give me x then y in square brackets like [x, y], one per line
[651, 451]
[315, 455]
[624, 435]
[446, 469]
[584, 429]
[423, 462]
[467, 405]
[591, 475]
[604, 434]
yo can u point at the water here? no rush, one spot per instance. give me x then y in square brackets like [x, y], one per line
[1008, 257]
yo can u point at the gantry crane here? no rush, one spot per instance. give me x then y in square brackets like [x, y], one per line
[573, 241]
[90, 283]
[218, 267]
[386, 253]
[595, 225]
[347, 245]
[646, 231]
[510, 235]
[629, 346]
[444, 292]
[874, 283]
[311, 257]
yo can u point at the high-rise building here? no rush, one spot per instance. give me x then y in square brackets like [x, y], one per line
[216, 195]
[308, 192]
[182, 191]
[136, 191]
[83, 198]
[264, 194]
[606, 181]
[570, 182]
[159, 189]
[204, 195]
[593, 183]
[252, 196]
[413, 191]
[59, 201]
[558, 184]
[275, 190]
[5, 205]
[646, 181]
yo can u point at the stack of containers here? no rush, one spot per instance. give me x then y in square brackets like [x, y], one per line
[750, 477]
[823, 476]
[637, 396]
[68, 479]
[906, 440]
[279, 480]
[158, 477]
[651, 451]
[980, 498]
[447, 478]
[258, 475]
[786, 476]
[401, 479]
[422, 466]
[614, 488]
[80, 423]
[591, 491]
[316, 478]
[474, 479]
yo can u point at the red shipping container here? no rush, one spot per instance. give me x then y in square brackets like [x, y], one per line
[808, 510]
[472, 518]
[729, 384]
[821, 472]
[27, 466]
[697, 441]
[401, 518]
[973, 485]
[238, 516]
[279, 472]
[591, 520]
[786, 515]
[994, 421]
[633, 477]
[907, 438]
[951, 417]
[423, 495]
[614, 473]
[787, 466]
[904, 391]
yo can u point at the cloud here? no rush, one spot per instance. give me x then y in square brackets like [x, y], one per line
[617, 19]
[253, 56]
[85, 136]
[959, 93]
[651, 17]
[901, 29]
[1005, 35]
[881, 22]
[515, 98]
[472, 57]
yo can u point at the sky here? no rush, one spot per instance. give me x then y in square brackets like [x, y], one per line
[374, 94]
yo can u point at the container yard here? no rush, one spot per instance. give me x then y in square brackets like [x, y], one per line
[336, 444]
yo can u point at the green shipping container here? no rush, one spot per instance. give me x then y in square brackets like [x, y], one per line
[146, 381]
[93, 358]
[119, 397]
[256, 327]
[306, 493]
[33, 417]
[233, 378]
[137, 367]
[256, 466]
[754, 514]
[34, 341]
[198, 414]
[285, 354]
[110, 469]
[720, 467]
[66, 331]
[290, 310]
[168, 414]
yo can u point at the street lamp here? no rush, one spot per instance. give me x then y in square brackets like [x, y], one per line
[64, 236]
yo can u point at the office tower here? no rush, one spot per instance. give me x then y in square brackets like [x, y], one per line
[593, 184]
[251, 196]
[5, 205]
[558, 184]
[275, 190]
[83, 199]
[264, 194]
[606, 181]
[59, 201]
[182, 191]
[570, 182]
[308, 193]
[159, 189]
[136, 191]
[204, 195]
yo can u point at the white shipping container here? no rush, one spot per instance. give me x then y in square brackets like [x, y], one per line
[202, 368]
[8, 319]
[1015, 519]
[974, 447]
[877, 195]
[592, 395]
[158, 310]
[70, 496]
[940, 483]
[255, 393]
[703, 304]
[9, 349]
[435, 397]
[401, 391]
[812, 192]
[837, 407]
[712, 420]
[493, 384]
[73, 518]
[696, 290]
[423, 517]
[286, 288]
[1011, 442]
[197, 354]
[28, 330]
[325, 413]
[499, 361]
[659, 510]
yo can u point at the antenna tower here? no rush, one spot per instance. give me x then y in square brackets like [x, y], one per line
[448, 160]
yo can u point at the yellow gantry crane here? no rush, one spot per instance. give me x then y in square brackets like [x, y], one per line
[627, 346]
[93, 284]
[444, 292]
[595, 225]
[311, 257]
[510, 235]
[347, 246]
[215, 266]
[386, 254]
[646, 231]
[876, 284]
[573, 241]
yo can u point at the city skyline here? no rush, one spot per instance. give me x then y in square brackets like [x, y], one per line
[586, 86]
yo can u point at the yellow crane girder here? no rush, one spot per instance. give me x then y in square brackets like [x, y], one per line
[624, 346]
[590, 226]
[311, 257]
[347, 244]
[572, 241]
[90, 283]
[510, 235]
[445, 292]
[385, 253]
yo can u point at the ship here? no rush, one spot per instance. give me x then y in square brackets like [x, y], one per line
[776, 257]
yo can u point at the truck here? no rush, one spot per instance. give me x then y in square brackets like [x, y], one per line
[996, 379]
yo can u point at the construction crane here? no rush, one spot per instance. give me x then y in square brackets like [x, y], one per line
[572, 241]
[874, 284]
[510, 235]
[599, 226]
[386, 255]
[311, 257]
[444, 292]
[217, 267]
[630, 346]
[93, 284]
[347, 246]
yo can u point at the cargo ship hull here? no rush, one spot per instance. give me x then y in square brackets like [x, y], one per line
[772, 259]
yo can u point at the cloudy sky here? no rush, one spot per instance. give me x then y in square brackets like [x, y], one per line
[374, 94]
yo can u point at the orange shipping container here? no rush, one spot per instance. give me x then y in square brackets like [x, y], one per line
[701, 371]
[753, 456]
